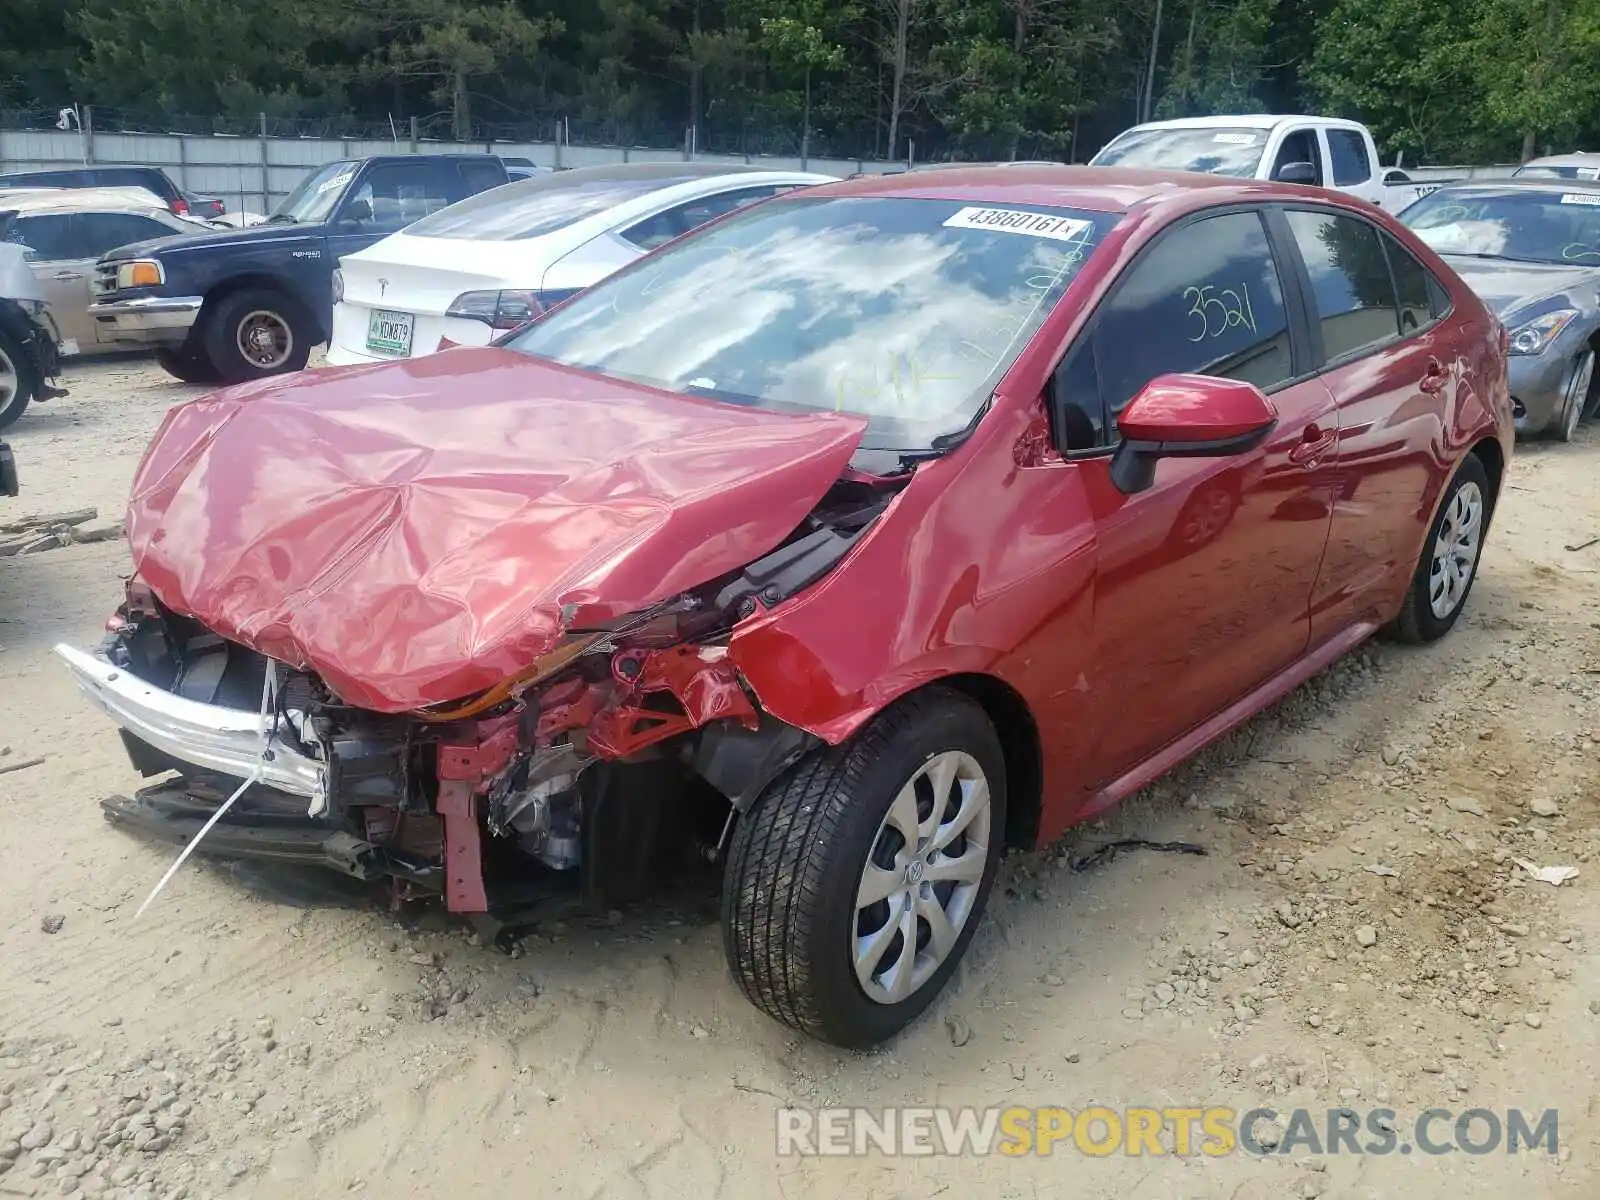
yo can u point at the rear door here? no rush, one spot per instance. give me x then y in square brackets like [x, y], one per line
[62, 264]
[1385, 357]
[1204, 581]
[1351, 166]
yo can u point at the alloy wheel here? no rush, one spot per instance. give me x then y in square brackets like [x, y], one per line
[1455, 550]
[922, 876]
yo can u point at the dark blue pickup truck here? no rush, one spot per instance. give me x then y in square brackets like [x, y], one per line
[242, 304]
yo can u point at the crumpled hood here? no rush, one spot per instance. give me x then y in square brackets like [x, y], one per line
[420, 530]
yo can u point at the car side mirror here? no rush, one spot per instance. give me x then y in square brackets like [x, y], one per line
[358, 212]
[1297, 172]
[1187, 416]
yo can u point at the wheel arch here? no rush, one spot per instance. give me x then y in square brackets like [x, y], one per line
[266, 281]
[1019, 738]
[1492, 455]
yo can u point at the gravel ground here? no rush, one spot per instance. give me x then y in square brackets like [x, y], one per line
[1359, 934]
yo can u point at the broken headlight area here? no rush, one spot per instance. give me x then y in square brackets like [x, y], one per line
[621, 753]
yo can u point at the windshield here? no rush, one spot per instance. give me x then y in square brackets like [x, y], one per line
[1211, 151]
[1525, 224]
[534, 207]
[904, 311]
[317, 196]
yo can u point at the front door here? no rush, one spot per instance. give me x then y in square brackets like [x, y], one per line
[1204, 581]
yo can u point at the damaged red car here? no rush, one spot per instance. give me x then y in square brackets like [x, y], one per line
[847, 542]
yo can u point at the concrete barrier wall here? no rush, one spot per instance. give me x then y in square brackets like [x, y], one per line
[253, 174]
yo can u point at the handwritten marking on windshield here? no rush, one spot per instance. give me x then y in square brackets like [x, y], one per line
[901, 366]
[1228, 309]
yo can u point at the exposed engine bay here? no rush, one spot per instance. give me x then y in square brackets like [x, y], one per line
[623, 750]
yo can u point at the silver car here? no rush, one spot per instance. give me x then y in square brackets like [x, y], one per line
[64, 231]
[1530, 248]
[1580, 165]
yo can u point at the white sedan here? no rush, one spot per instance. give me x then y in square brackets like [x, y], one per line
[465, 274]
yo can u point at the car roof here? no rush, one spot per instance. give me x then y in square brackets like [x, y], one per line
[68, 200]
[1248, 121]
[1521, 183]
[1100, 189]
[1578, 158]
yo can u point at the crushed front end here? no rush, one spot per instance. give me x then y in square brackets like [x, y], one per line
[623, 749]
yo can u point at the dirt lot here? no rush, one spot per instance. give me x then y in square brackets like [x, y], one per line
[255, 1041]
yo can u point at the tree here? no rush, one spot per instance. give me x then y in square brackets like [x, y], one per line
[1536, 56]
[799, 38]
[448, 43]
[1408, 69]
[231, 57]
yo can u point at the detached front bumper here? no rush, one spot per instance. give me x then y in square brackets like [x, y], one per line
[147, 320]
[208, 736]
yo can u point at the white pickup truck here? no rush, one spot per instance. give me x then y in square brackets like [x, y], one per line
[1319, 151]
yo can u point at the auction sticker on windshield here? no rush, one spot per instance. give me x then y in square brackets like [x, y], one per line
[1580, 198]
[1236, 139]
[1015, 220]
[390, 332]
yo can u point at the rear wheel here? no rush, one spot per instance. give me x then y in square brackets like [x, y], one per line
[19, 378]
[1449, 563]
[256, 333]
[859, 878]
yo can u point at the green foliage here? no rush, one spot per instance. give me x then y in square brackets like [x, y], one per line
[1446, 80]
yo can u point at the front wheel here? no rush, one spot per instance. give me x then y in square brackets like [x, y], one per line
[1449, 563]
[858, 879]
[256, 333]
[19, 378]
[1576, 403]
[188, 366]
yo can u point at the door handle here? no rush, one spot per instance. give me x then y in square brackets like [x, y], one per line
[1434, 378]
[1314, 443]
[68, 276]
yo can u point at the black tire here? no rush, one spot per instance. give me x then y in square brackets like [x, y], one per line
[790, 887]
[187, 365]
[1417, 622]
[1576, 402]
[221, 333]
[14, 360]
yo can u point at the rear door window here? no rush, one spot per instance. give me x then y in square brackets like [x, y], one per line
[480, 177]
[1353, 294]
[50, 236]
[1414, 287]
[1206, 299]
[1347, 154]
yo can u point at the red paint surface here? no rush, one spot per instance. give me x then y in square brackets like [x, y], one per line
[1194, 408]
[450, 506]
[413, 531]
[700, 679]
[1136, 628]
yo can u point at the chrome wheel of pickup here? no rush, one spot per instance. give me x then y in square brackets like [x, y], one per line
[265, 339]
[18, 379]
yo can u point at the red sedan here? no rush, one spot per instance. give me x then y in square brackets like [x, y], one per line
[849, 541]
